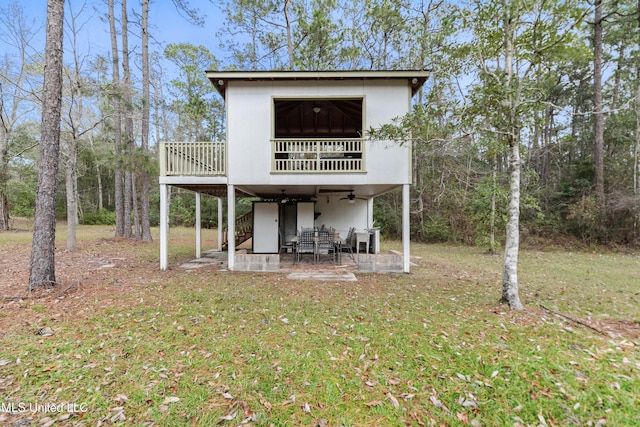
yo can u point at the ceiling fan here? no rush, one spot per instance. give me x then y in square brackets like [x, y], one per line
[351, 198]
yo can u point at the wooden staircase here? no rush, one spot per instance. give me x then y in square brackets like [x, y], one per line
[243, 232]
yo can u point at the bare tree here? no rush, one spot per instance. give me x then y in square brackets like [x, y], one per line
[288, 29]
[42, 271]
[144, 176]
[128, 123]
[636, 151]
[74, 121]
[117, 123]
[598, 119]
[15, 33]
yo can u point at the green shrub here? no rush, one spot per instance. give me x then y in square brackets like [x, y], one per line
[102, 217]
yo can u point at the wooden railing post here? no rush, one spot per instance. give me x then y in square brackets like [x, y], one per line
[163, 159]
[193, 158]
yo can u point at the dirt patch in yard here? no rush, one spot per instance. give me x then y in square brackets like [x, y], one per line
[99, 275]
[612, 328]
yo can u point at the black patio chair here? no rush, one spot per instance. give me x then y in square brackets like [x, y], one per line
[347, 244]
[326, 245]
[306, 244]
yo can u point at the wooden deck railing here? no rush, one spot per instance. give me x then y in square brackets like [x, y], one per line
[318, 155]
[312, 155]
[193, 158]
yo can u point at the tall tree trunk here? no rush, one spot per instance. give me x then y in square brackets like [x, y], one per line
[492, 218]
[617, 77]
[117, 124]
[74, 120]
[290, 51]
[598, 119]
[4, 200]
[4, 174]
[547, 143]
[42, 270]
[72, 192]
[145, 221]
[98, 175]
[510, 293]
[128, 203]
[636, 151]
[135, 209]
[128, 124]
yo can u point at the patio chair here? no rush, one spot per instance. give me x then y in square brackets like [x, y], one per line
[347, 244]
[306, 244]
[284, 245]
[326, 245]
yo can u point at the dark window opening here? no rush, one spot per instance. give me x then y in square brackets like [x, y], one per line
[323, 118]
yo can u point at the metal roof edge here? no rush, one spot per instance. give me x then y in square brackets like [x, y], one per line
[319, 75]
[220, 78]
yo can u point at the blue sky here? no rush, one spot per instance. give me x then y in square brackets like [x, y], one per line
[166, 24]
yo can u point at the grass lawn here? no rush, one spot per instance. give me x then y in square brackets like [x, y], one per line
[120, 342]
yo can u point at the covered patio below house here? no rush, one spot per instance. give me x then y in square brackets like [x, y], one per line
[390, 262]
[255, 240]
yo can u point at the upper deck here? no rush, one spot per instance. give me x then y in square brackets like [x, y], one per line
[292, 156]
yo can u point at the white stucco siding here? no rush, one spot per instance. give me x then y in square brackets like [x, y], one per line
[388, 161]
[248, 132]
[250, 128]
[340, 214]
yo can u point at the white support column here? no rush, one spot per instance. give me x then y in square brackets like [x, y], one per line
[370, 212]
[164, 228]
[198, 227]
[220, 222]
[231, 233]
[406, 231]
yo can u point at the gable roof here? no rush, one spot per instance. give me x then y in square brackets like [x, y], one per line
[220, 79]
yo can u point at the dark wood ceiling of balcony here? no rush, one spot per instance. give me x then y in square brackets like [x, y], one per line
[318, 118]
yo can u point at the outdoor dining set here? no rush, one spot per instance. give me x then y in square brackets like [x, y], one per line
[323, 244]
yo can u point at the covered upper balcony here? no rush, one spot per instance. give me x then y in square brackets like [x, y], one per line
[307, 155]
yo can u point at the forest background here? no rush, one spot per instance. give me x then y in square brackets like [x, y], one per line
[573, 83]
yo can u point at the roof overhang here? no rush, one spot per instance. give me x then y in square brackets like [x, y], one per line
[220, 79]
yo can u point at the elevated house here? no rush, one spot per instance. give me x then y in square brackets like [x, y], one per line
[297, 142]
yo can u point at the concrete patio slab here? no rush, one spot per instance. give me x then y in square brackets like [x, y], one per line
[192, 265]
[343, 276]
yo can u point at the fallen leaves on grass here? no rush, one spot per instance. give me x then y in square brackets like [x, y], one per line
[438, 404]
[171, 399]
[239, 407]
[393, 400]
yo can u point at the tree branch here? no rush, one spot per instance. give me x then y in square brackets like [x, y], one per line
[578, 321]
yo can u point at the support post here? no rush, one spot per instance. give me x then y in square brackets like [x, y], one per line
[231, 219]
[220, 222]
[164, 228]
[198, 227]
[406, 231]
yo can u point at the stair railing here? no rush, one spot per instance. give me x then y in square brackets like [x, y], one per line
[243, 231]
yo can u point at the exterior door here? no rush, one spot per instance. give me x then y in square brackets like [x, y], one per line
[288, 221]
[265, 228]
